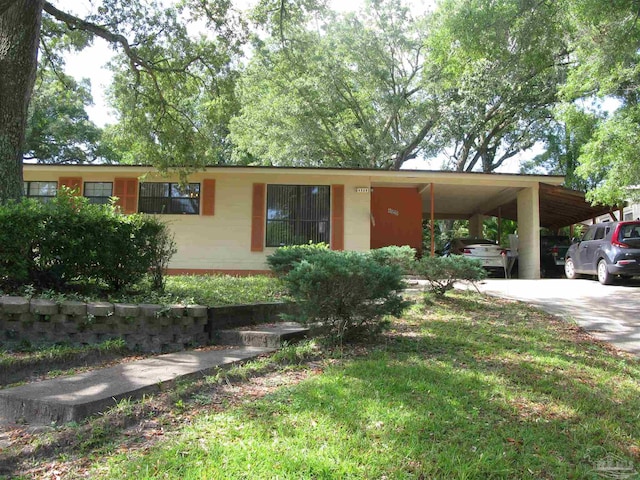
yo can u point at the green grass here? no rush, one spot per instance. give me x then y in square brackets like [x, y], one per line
[465, 387]
[225, 289]
[210, 290]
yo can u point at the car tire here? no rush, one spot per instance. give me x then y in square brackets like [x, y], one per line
[570, 269]
[604, 277]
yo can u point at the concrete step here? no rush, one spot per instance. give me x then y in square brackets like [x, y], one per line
[76, 397]
[265, 335]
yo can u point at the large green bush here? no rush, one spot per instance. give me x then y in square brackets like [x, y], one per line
[347, 291]
[442, 272]
[70, 240]
[284, 259]
[402, 257]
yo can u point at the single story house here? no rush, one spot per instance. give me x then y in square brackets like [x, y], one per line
[230, 218]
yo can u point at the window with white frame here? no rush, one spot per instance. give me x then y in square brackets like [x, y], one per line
[98, 193]
[169, 198]
[297, 214]
[41, 191]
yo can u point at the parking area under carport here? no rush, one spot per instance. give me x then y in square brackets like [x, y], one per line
[611, 313]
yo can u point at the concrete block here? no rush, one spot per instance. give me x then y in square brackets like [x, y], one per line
[100, 309]
[73, 308]
[177, 311]
[14, 304]
[150, 309]
[126, 310]
[197, 311]
[41, 306]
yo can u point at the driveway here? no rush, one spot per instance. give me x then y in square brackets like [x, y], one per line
[610, 312]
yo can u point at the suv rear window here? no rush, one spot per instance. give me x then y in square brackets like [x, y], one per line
[630, 231]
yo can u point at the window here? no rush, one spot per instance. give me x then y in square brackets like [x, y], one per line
[42, 191]
[169, 198]
[589, 234]
[297, 214]
[98, 192]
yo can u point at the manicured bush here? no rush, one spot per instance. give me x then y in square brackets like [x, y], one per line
[70, 240]
[284, 259]
[442, 272]
[346, 291]
[403, 257]
[21, 224]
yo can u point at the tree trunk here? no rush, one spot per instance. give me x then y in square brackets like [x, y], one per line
[19, 38]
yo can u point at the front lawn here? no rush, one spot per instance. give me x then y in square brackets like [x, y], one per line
[466, 387]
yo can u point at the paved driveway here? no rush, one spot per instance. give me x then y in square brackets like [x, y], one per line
[609, 312]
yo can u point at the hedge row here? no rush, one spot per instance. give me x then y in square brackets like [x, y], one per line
[49, 245]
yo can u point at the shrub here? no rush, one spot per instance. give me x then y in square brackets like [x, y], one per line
[21, 224]
[402, 257]
[347, 291]
[284, 259]
[443, 272]
[70, 240]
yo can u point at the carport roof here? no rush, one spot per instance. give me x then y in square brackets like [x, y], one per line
[559, 207]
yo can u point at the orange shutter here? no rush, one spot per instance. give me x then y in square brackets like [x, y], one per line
[126, 189]
[73, 183]
[208, 197]
[337, 217]
[257, 217]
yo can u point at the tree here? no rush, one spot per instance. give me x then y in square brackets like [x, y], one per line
[606, 44]
[564, 141]
[58, 126]
[349, 91]
[157, 49]
[20, 22]
[504, 62]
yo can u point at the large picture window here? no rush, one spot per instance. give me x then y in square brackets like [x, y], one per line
[98, 192]
[169, 198]
[42, 191]
[298, 214]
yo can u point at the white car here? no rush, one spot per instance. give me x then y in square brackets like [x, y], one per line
[491, 255]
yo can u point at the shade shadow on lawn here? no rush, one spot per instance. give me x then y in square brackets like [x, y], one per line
[468, 387]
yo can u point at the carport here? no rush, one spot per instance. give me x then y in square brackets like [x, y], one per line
[400, 200]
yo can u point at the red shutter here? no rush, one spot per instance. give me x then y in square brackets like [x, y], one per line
[73, 183]
[257, 217]
[208, 197]
[337, 217]
[126, 189]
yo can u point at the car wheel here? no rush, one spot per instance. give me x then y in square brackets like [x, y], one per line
[604, 277]
[570, 269]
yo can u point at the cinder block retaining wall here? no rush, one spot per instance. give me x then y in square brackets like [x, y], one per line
[144, 327]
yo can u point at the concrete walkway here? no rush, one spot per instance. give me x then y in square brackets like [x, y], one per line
[73, 398]
[610, 312]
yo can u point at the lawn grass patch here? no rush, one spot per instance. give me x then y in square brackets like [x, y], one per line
[210, 290]
[465, 387]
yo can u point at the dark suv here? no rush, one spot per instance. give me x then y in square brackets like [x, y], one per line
[606, 250]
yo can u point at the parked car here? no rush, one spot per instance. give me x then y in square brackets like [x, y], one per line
[553, 249]
[488, 252]
[607, 250]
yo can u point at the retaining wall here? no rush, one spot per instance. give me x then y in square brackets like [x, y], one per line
[145, 327]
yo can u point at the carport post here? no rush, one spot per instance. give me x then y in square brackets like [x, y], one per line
[475, 225]
[433, 222]
[529, 232]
